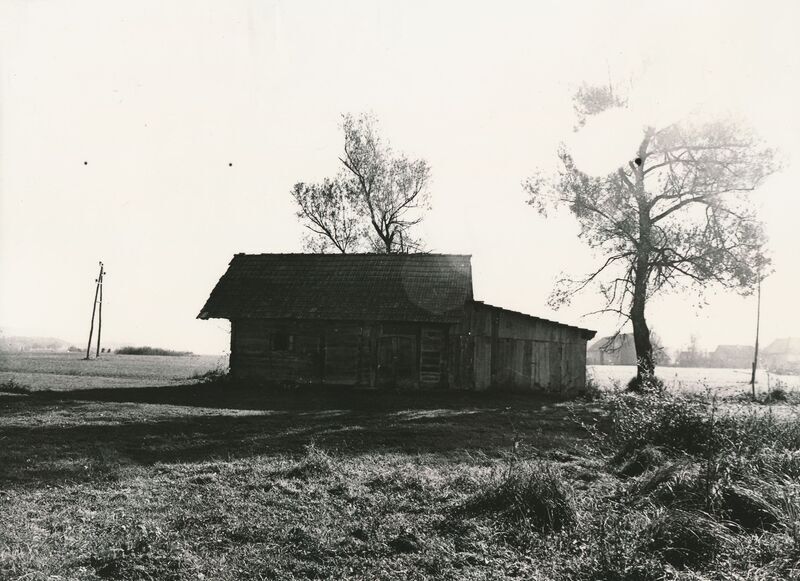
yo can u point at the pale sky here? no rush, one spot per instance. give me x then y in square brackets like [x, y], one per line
[119, 122]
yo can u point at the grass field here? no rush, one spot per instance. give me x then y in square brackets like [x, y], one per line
[175, 480]
[723, 382]
[64, 371]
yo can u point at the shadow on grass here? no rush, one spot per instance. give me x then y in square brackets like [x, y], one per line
[228, 395]
[96, 434]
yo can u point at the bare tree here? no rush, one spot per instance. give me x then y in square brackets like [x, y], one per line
[330, 212]
[392, 188]
[676, 214]
[375, 201]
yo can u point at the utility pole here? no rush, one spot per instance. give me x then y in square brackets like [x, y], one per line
[94, 308]
[100, 309]
[755, 352]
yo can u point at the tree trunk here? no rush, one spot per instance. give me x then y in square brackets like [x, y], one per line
[645, 365]
[388, 240]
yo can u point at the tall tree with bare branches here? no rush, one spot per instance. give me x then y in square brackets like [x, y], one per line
[375, 201]
[675, 215]
[330, 211]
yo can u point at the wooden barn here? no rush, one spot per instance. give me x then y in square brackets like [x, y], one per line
[378, 320]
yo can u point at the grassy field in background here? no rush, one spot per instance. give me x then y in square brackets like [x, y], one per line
[176, 480]
[722, 382]
[64, 371]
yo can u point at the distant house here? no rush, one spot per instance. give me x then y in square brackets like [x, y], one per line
[732, 356]
[613, 350]
[782, 355]
[621, 350]
[377, 320]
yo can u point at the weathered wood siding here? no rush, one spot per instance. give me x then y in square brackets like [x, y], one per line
[254, 352]
[342, 353]
[513, 350]
[490, 348]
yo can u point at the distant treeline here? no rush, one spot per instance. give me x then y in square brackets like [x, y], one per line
[151, 351]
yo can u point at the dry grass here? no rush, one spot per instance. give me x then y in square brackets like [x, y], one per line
[134, 490]
[216, 481]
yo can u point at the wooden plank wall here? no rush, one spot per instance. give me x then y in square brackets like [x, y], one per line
[341, 353]
[512, 350]
[432, 355]
[491, 348]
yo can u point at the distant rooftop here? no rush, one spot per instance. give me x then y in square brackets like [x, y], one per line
[783, 346]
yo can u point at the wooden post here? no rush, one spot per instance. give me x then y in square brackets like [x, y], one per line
[755, 352]
[100, 310]
[94, 308]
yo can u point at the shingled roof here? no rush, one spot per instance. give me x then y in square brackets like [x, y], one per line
[378, 287]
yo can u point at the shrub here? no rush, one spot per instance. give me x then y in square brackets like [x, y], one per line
[646, 384]
[151, 351]
[533, 495]
[777, 394]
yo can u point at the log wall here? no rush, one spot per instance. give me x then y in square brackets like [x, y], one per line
[490, 348]
[341, 353]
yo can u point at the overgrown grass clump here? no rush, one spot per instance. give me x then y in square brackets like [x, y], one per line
[686, 539]
[532, 495]
[315, 463]
[718, 483]
[693, 426]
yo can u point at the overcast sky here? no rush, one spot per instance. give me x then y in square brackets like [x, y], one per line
[163, 137]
